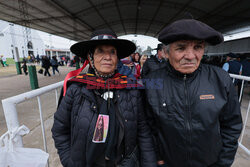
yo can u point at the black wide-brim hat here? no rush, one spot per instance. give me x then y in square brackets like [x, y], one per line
[190, 29]
[104, 37]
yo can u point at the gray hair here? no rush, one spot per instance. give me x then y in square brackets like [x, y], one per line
[165, 48]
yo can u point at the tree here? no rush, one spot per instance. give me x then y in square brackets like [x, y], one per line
[138, 48]
[148, 51]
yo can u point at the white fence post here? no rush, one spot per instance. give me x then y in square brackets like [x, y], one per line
[9, 107]
[11, 118]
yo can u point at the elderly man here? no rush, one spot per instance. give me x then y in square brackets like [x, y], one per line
[196, 116]
[155, 62]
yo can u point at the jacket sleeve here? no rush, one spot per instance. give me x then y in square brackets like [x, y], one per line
[145, 69]
[154, 129]
[61, 130]
[148, 157]
[230, 127]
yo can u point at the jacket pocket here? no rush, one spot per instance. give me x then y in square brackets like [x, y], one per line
[168, 111]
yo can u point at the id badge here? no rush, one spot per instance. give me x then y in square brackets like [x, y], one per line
[101, 129]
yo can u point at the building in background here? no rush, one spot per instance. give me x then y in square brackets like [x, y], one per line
[58, 52]
[12, 34]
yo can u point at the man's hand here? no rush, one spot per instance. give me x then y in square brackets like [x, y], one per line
[161, 163]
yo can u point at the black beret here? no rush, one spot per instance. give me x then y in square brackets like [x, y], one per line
[189, 29]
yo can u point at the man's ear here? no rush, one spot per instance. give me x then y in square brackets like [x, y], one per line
[167, 55]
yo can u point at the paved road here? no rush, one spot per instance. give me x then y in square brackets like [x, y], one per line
[28, 113]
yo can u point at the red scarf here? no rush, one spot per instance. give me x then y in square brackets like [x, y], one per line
[118, 81]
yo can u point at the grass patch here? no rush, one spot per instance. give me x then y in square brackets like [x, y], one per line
[12, 61]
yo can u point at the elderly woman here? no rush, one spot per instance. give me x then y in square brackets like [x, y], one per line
[102, 94]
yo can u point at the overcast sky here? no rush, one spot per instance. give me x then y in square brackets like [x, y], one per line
[141, 40]
[59, 42]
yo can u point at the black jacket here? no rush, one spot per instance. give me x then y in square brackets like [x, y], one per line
[45, 63]
[234, 67]
[196, 118]
[77, 114]
[152, 64]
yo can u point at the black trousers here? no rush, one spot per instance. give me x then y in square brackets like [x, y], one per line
[46, 72]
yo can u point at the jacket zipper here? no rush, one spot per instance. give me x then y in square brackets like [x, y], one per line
[188, 118]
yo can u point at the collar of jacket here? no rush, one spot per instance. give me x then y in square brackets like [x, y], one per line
[180, 75]
[88, 94]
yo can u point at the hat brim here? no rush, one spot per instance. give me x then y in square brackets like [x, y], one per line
[124, 47]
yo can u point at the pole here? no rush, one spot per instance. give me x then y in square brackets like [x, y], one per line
[33, 77]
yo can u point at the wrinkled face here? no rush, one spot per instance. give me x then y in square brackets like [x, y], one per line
[105, 59]
[160, 54]
[185, 55]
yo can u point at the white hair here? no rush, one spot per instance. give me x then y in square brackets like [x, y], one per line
[165, 48]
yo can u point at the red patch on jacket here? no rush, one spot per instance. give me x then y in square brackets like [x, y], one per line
[206, 97]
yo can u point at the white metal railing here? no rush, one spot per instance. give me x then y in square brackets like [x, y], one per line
[243, 78]
[10, 112]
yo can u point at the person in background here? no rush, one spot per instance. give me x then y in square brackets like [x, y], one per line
[4, 61]
[38, 59]
[233, 66]
[155, 62]
[29, 58]
[46, 65]
[129, 62]
[125, 70]
[24, 67]
[142, 61]
[54, 64]
[63, 61]
[245, 64]
[245, 70]
[195, 115]
[102, 94]
[67, 61]
[33, 59]
[1, 60]
[136, 68]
